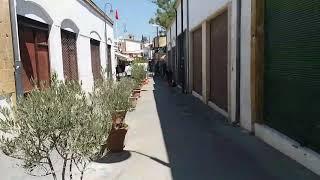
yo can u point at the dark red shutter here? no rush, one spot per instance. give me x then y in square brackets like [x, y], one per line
[95, 59]
[197, 60]
[219, 61]
[34, 54]
[69, 55]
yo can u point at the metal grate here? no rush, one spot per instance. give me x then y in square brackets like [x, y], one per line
[69, 55]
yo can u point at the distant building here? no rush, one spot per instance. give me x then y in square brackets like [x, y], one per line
[160, 42]
[160, 48]
[131, 47]
[256, 62]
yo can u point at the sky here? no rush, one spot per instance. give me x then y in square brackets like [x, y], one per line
[134, 16]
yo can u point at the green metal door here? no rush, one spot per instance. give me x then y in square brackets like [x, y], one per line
[292, 69]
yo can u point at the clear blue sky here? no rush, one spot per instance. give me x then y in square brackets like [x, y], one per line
[134, 14]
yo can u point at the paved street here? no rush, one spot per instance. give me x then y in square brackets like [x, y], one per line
[175, 136]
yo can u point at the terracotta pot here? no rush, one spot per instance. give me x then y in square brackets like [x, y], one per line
[133, 101]
[118, 117]
[136, 93]
[115, 141]
[145, 82]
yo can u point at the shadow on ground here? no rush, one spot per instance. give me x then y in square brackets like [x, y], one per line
[201, 145]
[110, 158]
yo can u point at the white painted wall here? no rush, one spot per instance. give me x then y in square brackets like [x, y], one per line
[75, 16]
[204, 12]
[245, 88]
[179, 18]
[169, 38]
[132, 46]
[173, 33]
[200, 11]
[185, 14]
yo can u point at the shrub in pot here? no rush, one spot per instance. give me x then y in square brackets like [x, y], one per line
[59, 120]
[114, 98]
[138, 75]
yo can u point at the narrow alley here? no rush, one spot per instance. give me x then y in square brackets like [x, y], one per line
[175, 136]
[159, 90]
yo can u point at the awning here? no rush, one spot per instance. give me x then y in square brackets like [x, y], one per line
[123, 57]
[134, 52]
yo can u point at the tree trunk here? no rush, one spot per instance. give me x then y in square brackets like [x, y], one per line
[65, 160]
[70, 167]
[52, 169]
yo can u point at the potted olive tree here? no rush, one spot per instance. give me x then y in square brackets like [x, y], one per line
[138, 75]
[114, 97]
[57, 122]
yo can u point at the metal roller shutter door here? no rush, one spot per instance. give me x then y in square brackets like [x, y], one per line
[292, 69]
[219, 61]
[197, 60]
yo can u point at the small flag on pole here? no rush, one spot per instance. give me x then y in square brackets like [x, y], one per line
[117, 15]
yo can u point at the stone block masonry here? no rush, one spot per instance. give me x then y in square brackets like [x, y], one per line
[7, 80]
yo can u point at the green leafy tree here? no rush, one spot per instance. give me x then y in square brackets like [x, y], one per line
[165, 12]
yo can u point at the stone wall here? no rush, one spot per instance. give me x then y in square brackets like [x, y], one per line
[7, 80]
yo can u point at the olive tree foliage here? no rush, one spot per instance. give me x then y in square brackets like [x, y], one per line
[114, 96]
[138, 73]
[61, 120]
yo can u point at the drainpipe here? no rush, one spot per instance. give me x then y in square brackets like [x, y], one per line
[188, 51]
[177, 50]
[183, 50]
[16, 49]
[238, 59]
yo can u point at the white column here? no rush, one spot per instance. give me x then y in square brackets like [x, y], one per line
[205, 64]
[103, 56]
[245, 65]
[233, 60]
[55, 51]
[84, 62]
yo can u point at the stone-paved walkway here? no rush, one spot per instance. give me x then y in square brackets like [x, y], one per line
[175, 136]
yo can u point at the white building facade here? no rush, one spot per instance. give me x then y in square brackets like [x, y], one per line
[73, 39]
[264, 84]
[192, 36]
[131, 47]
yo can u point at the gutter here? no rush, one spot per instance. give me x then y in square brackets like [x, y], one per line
[99, 11]
[176, 53]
